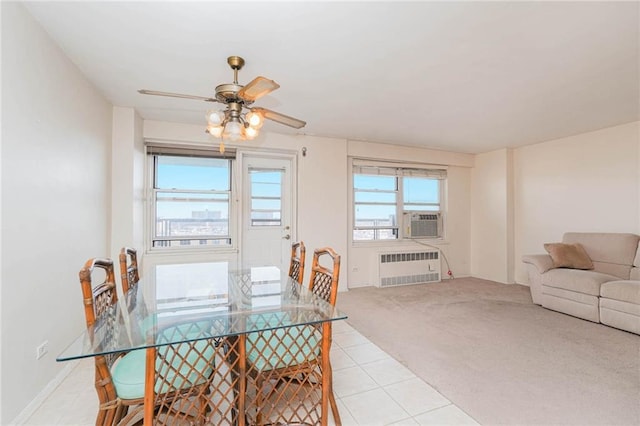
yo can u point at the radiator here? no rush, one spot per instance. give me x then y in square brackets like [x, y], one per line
[414, 267]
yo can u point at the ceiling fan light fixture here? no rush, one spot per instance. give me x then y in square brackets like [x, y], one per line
[215, 118]
[215, 131]
[237, 121]
[250, 132]
[232, 130]
[255, 119]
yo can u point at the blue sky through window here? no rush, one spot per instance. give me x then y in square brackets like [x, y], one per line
[192, 174]
[381, 192]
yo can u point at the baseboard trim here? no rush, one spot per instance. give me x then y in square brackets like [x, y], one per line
[36, 402]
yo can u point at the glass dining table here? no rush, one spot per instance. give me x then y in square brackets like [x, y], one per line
[221, 346]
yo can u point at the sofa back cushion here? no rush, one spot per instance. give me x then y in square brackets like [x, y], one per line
[611, 253]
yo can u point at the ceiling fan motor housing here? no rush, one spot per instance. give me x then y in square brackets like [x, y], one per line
[229, 92]
[226, 93]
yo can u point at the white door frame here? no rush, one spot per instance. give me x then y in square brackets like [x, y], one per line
[242, 158]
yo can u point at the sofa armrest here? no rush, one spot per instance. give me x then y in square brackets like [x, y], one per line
[542, 262]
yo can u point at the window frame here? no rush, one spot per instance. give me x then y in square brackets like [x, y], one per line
[152, 152]
[399, 171]
[255, 222]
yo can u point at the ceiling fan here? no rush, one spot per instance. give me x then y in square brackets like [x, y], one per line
[238, 120]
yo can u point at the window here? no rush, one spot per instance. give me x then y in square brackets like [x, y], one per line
[191, 196]
[382, 193]
[266, 197]
[375, 207]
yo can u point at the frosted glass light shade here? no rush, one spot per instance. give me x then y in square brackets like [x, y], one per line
[215, 131]
[250, 132]
[215, 117]
[232, 131]
[255, 119]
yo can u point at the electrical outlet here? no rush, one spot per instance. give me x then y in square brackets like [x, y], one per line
[42, 349]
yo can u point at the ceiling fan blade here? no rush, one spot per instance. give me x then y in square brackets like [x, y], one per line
[257, 88]
[176, 95]
[280, 118]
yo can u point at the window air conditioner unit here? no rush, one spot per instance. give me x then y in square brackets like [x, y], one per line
[422, 225]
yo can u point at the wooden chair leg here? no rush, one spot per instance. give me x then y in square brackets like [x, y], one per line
[259, 382]
[101, 418]
[121, 413]
[107, 417]
[203, 410]
[332, 398]
[334, 408]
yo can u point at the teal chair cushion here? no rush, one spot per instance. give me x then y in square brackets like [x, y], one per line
[283, 347]
[128, 373]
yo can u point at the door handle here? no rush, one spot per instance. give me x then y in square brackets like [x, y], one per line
[287, 237]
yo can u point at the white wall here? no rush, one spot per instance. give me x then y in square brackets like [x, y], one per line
[323, 193]
[492, 217]
[56, 136]
[588, 182]
[127, 181]
[322, 177]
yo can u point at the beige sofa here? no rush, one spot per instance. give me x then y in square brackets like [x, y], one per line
[609, 293]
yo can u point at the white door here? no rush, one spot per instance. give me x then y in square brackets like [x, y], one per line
[267, 212]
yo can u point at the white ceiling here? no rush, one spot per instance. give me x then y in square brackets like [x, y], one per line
[466, 77]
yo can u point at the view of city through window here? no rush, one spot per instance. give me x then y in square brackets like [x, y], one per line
[192, 196]
[192, 201]
[377, 199]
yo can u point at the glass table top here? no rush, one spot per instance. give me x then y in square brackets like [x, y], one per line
[222, 302]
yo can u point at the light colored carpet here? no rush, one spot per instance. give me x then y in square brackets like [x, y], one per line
[500, 358]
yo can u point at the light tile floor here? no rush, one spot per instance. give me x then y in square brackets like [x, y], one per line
[371, 389]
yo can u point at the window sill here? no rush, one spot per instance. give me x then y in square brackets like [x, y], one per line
[400, 243]
[193, 251]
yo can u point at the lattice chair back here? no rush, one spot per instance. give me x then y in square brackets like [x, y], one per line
[184, 371]
[284, 363]
[296, 267]
[184, 374]
[324, 283]
[324, 279]
[99, 307]
[129, 269]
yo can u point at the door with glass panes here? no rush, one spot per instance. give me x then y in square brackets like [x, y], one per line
[268, 197]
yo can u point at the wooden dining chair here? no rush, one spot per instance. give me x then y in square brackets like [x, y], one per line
[183, 371]
[99, 302]
[296, 266]
[324, 283]
[324, 279]
[299, 345]
[129, 269]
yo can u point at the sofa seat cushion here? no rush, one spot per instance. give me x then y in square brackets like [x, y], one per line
[620, 306]
[579, 305]
[581, 281]
[618, 314]
[625, 291]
